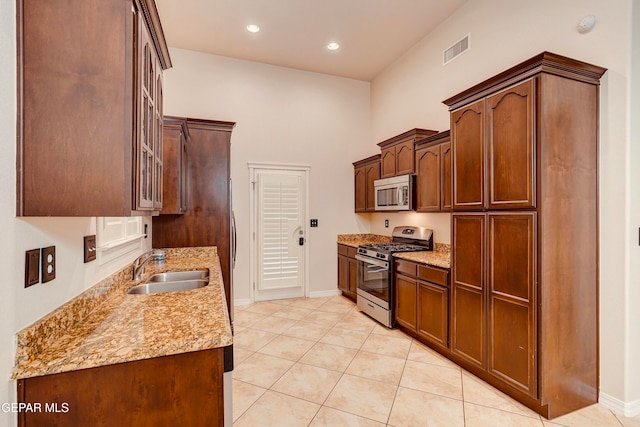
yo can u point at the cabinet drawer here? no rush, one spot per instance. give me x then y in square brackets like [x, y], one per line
[433, 275]
[351, 252]
[343, 250]
[406, 267]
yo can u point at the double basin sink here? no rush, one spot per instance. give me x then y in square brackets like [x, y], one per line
[172, 282]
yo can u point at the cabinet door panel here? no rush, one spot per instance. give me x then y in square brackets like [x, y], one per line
[445, 176]
[467, 139]
[512, 294]
[406, 302]
[405, 158]
[343, 273]
[353, 277]
[510, 144]
[468, 252]
[428, 179]
[468, 288]
[468, 318]
[433, 305]
[388, 162]
[360, 181]
[372, 172]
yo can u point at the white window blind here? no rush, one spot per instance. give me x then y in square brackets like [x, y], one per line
[279, 225]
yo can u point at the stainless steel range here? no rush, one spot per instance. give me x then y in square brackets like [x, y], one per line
[375, 270]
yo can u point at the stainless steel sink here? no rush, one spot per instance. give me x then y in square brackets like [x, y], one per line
[176, 276]
[172, 282]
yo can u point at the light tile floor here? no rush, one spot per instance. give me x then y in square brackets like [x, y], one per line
[320, 362]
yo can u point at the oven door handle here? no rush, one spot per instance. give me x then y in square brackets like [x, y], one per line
[383, 264]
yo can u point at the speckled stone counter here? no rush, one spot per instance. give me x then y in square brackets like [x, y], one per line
[439, 257]
[104, 325]
[354, 240]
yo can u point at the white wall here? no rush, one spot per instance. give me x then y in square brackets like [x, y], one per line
[408, 94]
[282, 116]
[632, 291]
[18, 306]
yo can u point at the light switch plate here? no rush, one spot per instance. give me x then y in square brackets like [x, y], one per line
[48, 264]
[89, 248]
[32, 268]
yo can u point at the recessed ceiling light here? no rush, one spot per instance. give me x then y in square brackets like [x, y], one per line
[252, 28]
[333, 46]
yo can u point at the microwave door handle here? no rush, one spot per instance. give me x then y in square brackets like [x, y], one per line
[400, 198]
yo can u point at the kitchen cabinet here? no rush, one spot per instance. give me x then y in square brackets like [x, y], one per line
[89, 108]
[175, 142]
[189, 392]
[365, 172]
[502, 158]
[524, 232]
[433, 173]
[348, 271]
[208, 219]
[422, 301]
[494, 288]
[397, 153]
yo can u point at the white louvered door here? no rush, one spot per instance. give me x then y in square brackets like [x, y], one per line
[280, 219]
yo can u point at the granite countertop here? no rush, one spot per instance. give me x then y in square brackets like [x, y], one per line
[355, 240]
[104, 325]
[439, 257]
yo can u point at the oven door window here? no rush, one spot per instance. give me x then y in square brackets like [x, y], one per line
[374, 279]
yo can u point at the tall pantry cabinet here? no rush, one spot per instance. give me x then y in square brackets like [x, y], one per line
[524, 288]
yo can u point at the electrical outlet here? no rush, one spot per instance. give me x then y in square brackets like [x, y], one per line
[89, 248]
[48, 264]
[386, 223]
[32, 268]
[314, 222]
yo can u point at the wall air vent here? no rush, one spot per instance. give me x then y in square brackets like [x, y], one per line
[457, 49]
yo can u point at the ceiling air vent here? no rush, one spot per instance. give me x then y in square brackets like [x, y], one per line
[457, 49]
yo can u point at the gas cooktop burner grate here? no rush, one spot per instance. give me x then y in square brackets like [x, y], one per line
[393, 247]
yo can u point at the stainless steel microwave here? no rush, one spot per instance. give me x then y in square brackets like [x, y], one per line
[394, 194]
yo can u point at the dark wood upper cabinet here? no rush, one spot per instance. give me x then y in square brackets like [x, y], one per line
[445, 176]
[365, 172]
[467, 141]
[207, 222]
[89, 108]
[174, 182]
[524, 304]
[433, 173]
[510, 147]
[397, 153]
[428, 179]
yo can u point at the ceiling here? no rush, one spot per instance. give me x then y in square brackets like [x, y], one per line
[294, 33]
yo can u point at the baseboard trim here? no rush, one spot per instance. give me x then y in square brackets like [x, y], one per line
[245, 301]
[628, 409]
[320, 294]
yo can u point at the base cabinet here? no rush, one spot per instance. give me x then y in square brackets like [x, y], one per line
[347, 271]
[179, 390]
[422, 301]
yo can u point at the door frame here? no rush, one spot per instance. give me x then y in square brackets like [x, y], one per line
[254, 167]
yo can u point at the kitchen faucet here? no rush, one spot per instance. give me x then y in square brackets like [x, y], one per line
[139, 263]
